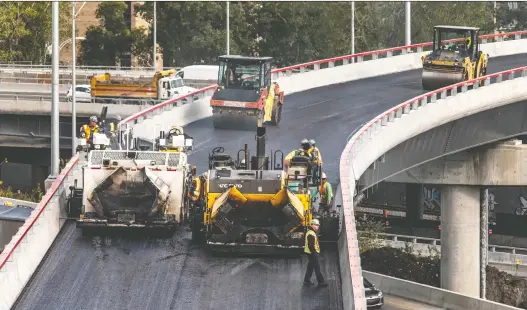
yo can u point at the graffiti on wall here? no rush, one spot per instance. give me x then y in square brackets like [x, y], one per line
[431, 198]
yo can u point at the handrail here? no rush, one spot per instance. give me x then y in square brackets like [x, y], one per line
[41, 207]
[349, 177]
[434, 241]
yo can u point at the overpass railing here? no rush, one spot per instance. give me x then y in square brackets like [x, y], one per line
[47, 213]
[354, 162]
[22, 256]
[316, 65]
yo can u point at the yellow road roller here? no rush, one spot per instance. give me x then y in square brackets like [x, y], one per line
[455, 57]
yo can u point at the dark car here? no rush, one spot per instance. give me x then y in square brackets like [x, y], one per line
[374, 297]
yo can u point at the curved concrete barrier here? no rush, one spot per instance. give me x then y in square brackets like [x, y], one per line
[26, 250]
[420, 114]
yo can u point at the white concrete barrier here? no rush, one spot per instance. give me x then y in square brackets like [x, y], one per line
[416, 116]
[431, 295]
[26, 250]
[23, 254]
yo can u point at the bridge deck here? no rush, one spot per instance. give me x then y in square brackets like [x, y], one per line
[116, 272]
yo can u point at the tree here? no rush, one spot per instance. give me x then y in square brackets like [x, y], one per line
[369, 233]
[25, 30]
[512, 16]
[113, 39]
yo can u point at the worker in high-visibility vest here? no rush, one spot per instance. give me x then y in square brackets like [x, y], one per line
[312, 250]
[314, 152]
[326, 194]
[302, 151]
[195, 189]
[89, 129]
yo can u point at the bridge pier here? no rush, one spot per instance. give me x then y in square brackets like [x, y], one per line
[460, 238]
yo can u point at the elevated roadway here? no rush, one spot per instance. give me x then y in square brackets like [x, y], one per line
[93, 273]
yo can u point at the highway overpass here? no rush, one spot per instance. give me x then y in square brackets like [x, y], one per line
[178, 275]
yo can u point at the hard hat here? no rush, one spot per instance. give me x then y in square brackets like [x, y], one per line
[324, 175]
[304, 141]
[119, 117]
[315, 222]
[312, 141]
[93, 118]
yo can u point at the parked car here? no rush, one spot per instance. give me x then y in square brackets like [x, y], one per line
[374, 297]
[82, 93]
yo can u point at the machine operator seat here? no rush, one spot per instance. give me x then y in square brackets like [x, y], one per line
[299, 167]
[222, 160]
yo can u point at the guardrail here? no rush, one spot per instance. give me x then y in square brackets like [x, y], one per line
[433, 241]
[80, 68]
[350, 174]
[20, 97]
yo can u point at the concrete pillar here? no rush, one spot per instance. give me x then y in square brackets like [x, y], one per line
[414, 202]
[460, 239]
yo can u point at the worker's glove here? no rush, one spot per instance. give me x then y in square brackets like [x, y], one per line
[83, 135]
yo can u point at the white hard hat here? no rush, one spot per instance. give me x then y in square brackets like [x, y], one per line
[324, 175]
[315, 222]
[93, 119]
[312, 141]
[304, 141]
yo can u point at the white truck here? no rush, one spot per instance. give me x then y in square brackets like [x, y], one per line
[145, 189]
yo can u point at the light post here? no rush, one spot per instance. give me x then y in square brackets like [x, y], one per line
[154, 34]
[73, 82]
[352, 28]
[408, 23]
[55, 134]
[228, 29]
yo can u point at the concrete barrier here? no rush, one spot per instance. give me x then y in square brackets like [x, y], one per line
[416, 116]
[84, 109]
[431, 295]
[22, 256]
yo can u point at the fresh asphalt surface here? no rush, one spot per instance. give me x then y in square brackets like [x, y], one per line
[140, 273]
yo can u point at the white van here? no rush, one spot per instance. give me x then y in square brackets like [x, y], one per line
[199, 75]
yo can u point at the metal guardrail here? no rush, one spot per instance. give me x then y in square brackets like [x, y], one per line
[4, 66]
[18, 97]
[346, 182]
[432, 241]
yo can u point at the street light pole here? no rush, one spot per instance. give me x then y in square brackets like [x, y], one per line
[408, 23]
[154, 34]
[55, 134]
[228, 29]
[352, 27]
[73, 81]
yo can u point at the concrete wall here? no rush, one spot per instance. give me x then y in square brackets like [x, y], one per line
[35, 237]
[430, 295]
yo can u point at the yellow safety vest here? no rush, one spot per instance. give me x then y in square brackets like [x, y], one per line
[112, 127]
[306, 246]
[317, 157]
[325, 192]
[87, 131]
[195, 194]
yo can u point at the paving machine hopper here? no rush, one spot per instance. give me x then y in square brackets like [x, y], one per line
[135, 189]
[248, 208]
[455, 57]
[246, 98]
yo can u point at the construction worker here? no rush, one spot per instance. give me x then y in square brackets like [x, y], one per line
[312, 249]
[302, 151]
[314, 152]
[326, 194]
[114, 126]
[89, 129]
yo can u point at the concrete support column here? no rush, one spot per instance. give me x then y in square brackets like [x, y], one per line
[460, 239]
[414, 202]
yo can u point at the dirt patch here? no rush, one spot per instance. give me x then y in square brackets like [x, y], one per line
[501, 286]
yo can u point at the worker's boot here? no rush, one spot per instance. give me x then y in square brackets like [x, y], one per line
[323, 284]
[308, 283]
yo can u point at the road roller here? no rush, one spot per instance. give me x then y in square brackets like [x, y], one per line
[455, 57]
[246, 97]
